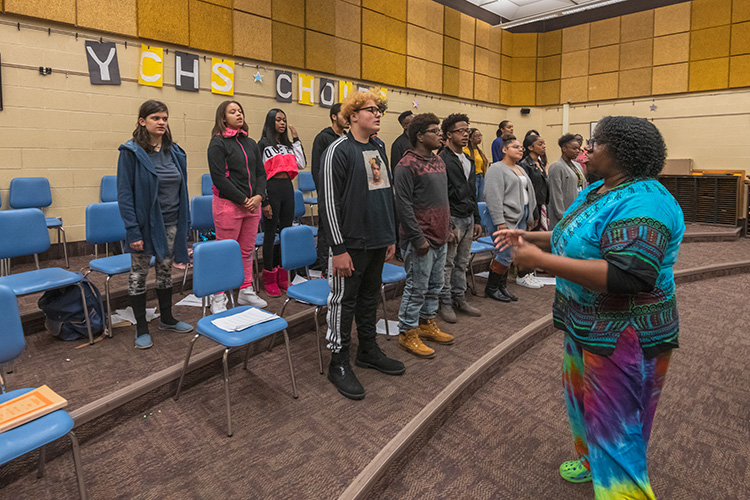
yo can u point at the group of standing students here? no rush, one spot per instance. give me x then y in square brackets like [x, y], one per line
[250, 181]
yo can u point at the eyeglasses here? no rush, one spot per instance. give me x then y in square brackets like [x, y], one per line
[376, 111]
[435, 131]
[461, 131]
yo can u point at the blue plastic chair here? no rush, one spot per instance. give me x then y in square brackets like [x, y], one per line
[299, 210]
[297, 251]
[24, 233]
[217, 266]
[306, 184]
[108, 188]
[104, 225]
[206, 185]
[201, 219]
[481, 245]
[34, 192]
[39, 432]
[391, 274]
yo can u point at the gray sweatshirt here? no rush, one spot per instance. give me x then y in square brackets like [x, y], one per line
[503, 194]
[563, 189]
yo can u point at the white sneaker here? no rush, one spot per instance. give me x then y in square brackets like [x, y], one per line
[248, 297]
[535, 279]
[218, 303]
[528, 281]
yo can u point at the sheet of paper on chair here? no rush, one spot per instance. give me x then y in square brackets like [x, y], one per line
[29, 406]
[123, 315]
[392, 326]
[245, 319]
[485, 274]
[316, 274]
[191, 300]
[298, 279]
[547, 281]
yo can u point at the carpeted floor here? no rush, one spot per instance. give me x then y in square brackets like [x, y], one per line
[509, 439]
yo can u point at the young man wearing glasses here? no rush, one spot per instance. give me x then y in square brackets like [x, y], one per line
[464, 223]
[356, 207]
[421, 188]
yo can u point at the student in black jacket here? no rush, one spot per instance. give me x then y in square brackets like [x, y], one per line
[356, 206]
[325, 138]
[465, 224]
[402, 143]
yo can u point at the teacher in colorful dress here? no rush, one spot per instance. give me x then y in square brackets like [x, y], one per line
[613, 253]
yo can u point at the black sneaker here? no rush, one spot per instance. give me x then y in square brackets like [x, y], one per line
[372, 357]
[342, 376]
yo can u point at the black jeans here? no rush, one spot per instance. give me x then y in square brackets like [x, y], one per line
[355, 297]
[280, 194]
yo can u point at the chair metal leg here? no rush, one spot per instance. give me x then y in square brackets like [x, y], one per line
[226, 391]
[109, 306]
[2, 380]
[281, 315]
[231, 298]
[42, 459]
[86, 313]
[184, 279]
[385, 312]
[61, 231]
[36, 260]
[78, 466]
[317, 340]
[184, 367]
[291, 367]
[470, 268]
[247, 355]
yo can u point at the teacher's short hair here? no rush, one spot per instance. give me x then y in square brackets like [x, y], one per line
[636, 145]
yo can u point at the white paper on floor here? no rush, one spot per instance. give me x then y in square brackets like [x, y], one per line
[316, 274]
[485, 274]
[191, 300]
[547, 281]
[392, 326]
[123, 315]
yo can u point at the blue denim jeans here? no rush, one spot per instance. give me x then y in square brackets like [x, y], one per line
[480, 187]
[457, 259]
[424, 282]
[504, 256]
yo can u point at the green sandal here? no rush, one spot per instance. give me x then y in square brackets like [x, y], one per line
[575, 472]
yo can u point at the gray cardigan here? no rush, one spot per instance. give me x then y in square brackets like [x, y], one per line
[504, 196]
[563, 189]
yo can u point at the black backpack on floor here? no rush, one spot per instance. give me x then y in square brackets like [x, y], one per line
[64, 311]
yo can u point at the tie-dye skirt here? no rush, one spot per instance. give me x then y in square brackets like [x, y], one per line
[611, 402]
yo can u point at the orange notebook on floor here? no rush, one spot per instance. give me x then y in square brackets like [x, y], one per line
[29, 406]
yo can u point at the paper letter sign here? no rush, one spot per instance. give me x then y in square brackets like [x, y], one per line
[151, 69]
[186, 71]
[344, 89]
[306, 84]
[222, 76]
[327, 93]
[283, 86]
[384, 93]
[102, 60]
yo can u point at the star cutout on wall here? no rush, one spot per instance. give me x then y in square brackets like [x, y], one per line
[652, 107]
[258, 77]
[415, 103]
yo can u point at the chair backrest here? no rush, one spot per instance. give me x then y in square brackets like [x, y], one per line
[201, 213]
[484, 215]
[217, 266]
[24, 232]
[108, 188]
[299, 204]
[30, 192]
[12, 340]
[206, 185]
[104, 223]
[297, 247]
[305, 182]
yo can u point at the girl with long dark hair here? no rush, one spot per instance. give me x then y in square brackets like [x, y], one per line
[239, 188]
[534, 149]
[153, 200]
[474, 152]
[282, 160]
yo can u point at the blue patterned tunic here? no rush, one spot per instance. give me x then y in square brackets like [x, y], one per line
[636, 224]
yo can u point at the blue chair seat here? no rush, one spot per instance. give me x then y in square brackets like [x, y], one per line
[39, 280]
[313, 200]
[243, 337]
[260, 238]
[313, 291]
[53, 221]
[115, 264]
[487, 240]
[481, 247]
[393, 273]
[34, 434]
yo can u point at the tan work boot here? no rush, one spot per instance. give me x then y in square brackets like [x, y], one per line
[429, 330]
[410, 342]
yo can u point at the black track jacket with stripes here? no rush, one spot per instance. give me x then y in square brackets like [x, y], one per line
[345, 186]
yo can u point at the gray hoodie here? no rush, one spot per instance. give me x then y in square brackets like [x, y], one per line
[503, 194]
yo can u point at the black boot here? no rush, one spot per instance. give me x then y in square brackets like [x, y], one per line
[342, 376]
[503, 287]
[142, 336]
[492, 291]
[369, 355]
[165, 306]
